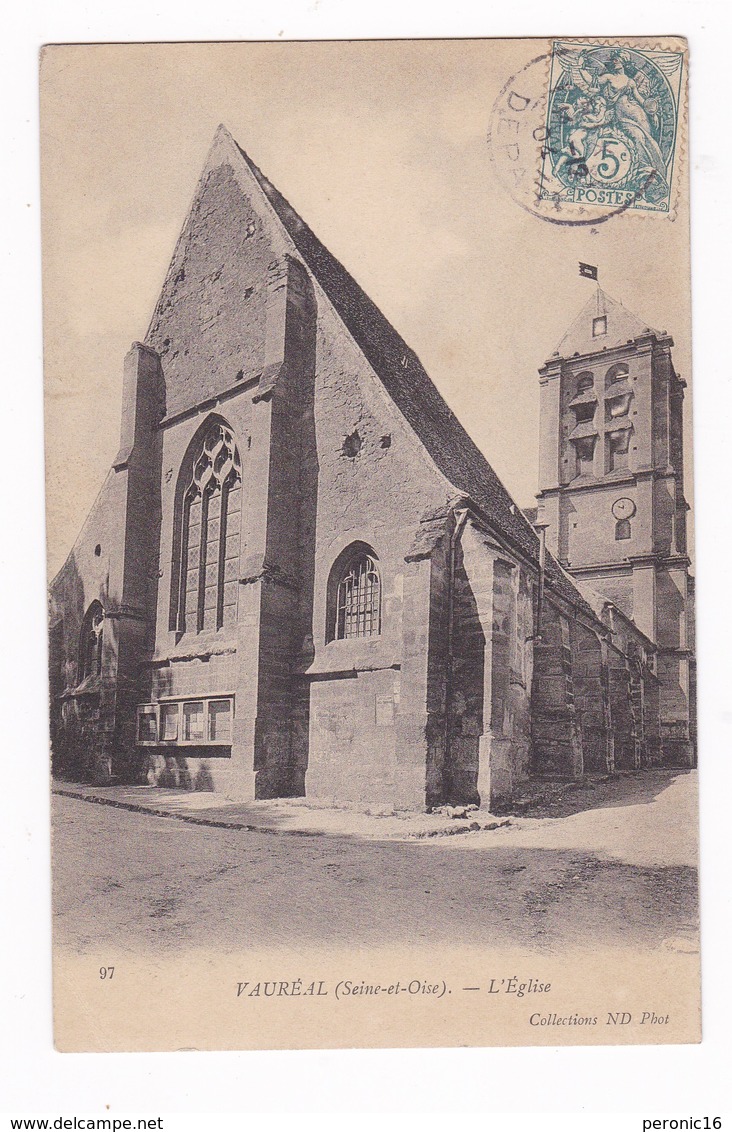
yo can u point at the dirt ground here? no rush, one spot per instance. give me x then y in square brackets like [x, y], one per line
[611, 863]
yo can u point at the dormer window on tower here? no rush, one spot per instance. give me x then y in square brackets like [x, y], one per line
[599, 326]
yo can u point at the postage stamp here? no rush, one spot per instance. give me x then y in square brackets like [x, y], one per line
[612, 125]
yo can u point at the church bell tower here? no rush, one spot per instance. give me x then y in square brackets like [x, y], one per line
[611, 489]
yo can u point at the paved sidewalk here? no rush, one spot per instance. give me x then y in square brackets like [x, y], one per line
[291, 815]
[648, 818]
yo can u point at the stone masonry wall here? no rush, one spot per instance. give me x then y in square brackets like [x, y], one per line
[82, 729]
[556, 740]
[114, 562]
[590, 681]
[374, 481]
[490, 734]
[209, 325]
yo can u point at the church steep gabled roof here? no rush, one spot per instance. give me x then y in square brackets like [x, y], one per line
[622, 326]
[402, 373]
[411, 389]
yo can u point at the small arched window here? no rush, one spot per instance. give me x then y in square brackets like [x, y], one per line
[622, 529]
[90, 644]
[205, 562]
[355, 595]
[585, 381]
[616, 373]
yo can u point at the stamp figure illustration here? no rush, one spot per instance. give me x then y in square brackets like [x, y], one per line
[612, 126]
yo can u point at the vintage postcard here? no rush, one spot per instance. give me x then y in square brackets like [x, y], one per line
[372, 676]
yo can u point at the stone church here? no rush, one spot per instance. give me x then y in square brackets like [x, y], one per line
[302, 577]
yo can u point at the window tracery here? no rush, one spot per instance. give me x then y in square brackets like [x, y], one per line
[207, 569]
[357, 610]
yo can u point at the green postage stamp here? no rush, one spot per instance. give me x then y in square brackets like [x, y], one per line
[612, 126]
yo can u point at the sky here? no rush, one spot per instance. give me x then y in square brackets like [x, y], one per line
[382, 149]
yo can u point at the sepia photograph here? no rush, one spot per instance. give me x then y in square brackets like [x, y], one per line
[369, 490]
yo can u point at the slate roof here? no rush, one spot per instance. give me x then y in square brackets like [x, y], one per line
[411, 389]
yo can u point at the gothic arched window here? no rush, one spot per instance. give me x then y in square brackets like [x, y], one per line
[355, 595]
[206, 561]
[90, 644]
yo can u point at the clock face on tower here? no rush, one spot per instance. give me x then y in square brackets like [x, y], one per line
[624, 508]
